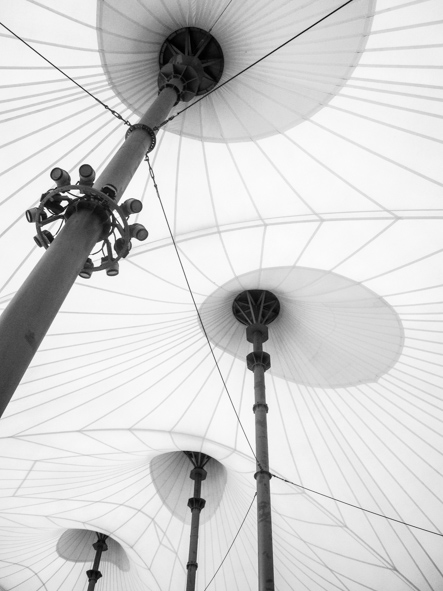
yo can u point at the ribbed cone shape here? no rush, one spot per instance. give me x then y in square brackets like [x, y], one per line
[276, 94]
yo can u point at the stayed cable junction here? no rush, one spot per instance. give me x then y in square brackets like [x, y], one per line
[124, 380]
[94, 216]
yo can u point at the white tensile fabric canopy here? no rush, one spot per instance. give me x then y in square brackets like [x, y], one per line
[316, 174]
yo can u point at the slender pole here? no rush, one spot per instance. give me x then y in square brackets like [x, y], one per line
[259, 362]
[27, 318]
[256, 308]
[94, 574]
[196, 504]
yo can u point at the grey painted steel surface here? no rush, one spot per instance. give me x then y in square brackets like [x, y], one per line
[123, 165]
[26, 320]
[196, 504]
[263, 477]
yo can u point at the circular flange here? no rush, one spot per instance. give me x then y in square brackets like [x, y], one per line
[331, 331]
[199, 49]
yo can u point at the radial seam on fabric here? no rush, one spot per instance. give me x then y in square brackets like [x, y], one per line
[232, 543]
[316, 492]
[151, 172]
[112, 111]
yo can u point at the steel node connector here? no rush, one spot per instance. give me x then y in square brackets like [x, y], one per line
[47, 238]
[191, 61]
[86, 174]
[87, 270]
[32, 214]
[112, 267]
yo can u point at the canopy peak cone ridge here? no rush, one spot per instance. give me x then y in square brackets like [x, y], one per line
[191, 63]
[256, 308]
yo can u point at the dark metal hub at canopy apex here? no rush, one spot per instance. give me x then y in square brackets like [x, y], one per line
[194, 48]
[198, 458]
[256, 306]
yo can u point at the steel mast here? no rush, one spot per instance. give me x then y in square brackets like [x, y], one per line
[196, 505]
[191, 63]
[257, 308]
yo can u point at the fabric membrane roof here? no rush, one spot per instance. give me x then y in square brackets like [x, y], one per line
[315, 174]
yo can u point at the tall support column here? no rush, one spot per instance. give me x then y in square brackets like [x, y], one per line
[196, 504]
[256, 309]
[94, 574]
[191, 63]
[258, 362]
[27, 318]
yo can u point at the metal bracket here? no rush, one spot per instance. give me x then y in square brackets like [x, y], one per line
[196, 503]
[260, 405]
[146, 128]
[93, 575]
[112, 216]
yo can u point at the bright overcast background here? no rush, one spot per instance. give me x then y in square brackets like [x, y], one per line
[317, 174]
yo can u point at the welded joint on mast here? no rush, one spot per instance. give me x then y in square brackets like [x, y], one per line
[263, 472]
[148, 130]
[196, 503]
[259, 405]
